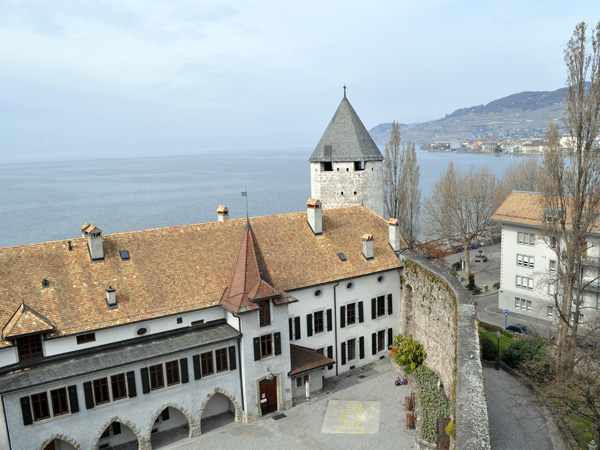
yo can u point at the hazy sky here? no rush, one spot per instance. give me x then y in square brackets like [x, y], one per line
[105, 77]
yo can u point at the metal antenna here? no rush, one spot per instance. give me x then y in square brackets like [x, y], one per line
[245, 194]
[344, 90]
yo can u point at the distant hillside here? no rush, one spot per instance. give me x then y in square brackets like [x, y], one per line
[526, 114]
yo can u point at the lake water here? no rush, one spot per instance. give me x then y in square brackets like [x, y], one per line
[49, 200]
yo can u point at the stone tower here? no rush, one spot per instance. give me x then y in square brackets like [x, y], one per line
[346, 167]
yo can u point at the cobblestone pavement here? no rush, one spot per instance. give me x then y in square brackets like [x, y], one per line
[301, 426]
[517, 419]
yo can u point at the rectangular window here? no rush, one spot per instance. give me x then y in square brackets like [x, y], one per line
[528, 305]
[520, 238]
[266, 345]
[523, 304]
[517, 302]
[530, 283]
[381, 340]
[101, 391]
[318, 318]
[531, 261]
[519, 281]
[119, 388]
[351, 349]
[519, 260]
[551, 288]
[221, 358]
[351, 313]
[60, 405]
[381, 306]
[39, 402]
[207, 363]
[265, 313]
[30, 347]
[84, 338]
[549, 311]
[526, 238]
[172, 369]
[552, 265]
[157, 380]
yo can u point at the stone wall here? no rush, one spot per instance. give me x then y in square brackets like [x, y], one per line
[438, 311]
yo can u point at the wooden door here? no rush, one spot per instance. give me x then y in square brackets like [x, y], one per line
[268, 396]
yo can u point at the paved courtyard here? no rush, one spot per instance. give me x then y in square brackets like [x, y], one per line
[357, 411]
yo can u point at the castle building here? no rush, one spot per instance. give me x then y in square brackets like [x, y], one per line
[346, 167]
[110, 339]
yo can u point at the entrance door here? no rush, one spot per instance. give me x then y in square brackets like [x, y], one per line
[268, 396]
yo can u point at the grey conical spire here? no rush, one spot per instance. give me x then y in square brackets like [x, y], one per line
[346, 138]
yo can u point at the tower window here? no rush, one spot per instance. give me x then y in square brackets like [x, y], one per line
[327, 166]
[359, 165]
[342, 193]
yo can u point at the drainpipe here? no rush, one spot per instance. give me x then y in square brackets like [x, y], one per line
[335, 327]
[240, 363]
[6, 423]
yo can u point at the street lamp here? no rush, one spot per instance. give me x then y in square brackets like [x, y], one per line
[498, 355]
[506, 311]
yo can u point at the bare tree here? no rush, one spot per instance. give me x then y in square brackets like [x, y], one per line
[525, 176]
[572, 184]
[392, 173]
[410, 196]
[461, 205]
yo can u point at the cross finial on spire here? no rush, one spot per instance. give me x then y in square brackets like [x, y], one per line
[344, 90]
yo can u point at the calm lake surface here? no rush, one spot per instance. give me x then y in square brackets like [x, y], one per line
[49, 200]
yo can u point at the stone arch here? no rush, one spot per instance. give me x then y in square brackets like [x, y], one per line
[127, 423]
[194, 428]
[407, 313]
[60, 437]
[236, 405]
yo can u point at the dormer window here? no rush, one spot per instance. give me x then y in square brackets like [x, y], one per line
[264, 313]
[30, 347]
[553, 215]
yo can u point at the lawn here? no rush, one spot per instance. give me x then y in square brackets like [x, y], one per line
[505, 338]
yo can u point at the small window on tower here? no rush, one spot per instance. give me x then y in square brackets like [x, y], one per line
[327, 166]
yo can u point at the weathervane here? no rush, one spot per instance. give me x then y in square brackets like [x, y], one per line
[245, 194]
[344, 90]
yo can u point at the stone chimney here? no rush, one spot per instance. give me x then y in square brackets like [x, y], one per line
[314, 215]
[394, 234]
[222, 213]
[94, 237]
[368, 244]
[111, 298]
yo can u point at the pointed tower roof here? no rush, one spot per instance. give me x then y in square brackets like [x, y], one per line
[251, 280]
[346, 138]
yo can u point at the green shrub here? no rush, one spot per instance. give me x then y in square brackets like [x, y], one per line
[476, 290]
[471, 284]
[529, 356]
[450, 429]
[497, 285]
[489, 348]
[408, 352]
[457, 265]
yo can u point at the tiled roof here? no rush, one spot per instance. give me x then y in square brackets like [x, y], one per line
[306, 359]
[527, 208]
[26, 321]
[184, 268]
[348, 138]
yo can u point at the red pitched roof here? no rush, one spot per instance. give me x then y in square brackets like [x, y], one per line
[306, 359]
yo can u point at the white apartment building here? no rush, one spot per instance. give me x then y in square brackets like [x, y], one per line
[529, 263]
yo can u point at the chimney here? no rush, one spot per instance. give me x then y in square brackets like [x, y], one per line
[394, 234]
[111, 298]
[94, 236]
[222, 213]
[367, 242]
[314, 215]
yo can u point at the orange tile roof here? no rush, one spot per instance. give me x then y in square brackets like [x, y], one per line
[183, 268]
[26, 321]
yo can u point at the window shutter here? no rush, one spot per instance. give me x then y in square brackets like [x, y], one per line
[361, 313]
[26, 408]
[330, 355]
[343, 353]
[232, 360]
[185, 376]
[389, 303]
[89, 395]
[116, 426]
[290, 325]
[374, 344]
[197, 371]
[342, 316]
[390, 337]
[297, 327]
[373, 308]
[277, 337]
[73, 400]
[309, 321]
[131, 389]
[329, 320]
[256, 348]
[361, 346]
[145, 380]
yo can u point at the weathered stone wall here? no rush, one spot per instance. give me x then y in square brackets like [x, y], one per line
[438, 311]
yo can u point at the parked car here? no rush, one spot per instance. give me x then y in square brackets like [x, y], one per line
[456, 248]
[474, 245]
[518, 328]
[487, 241]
